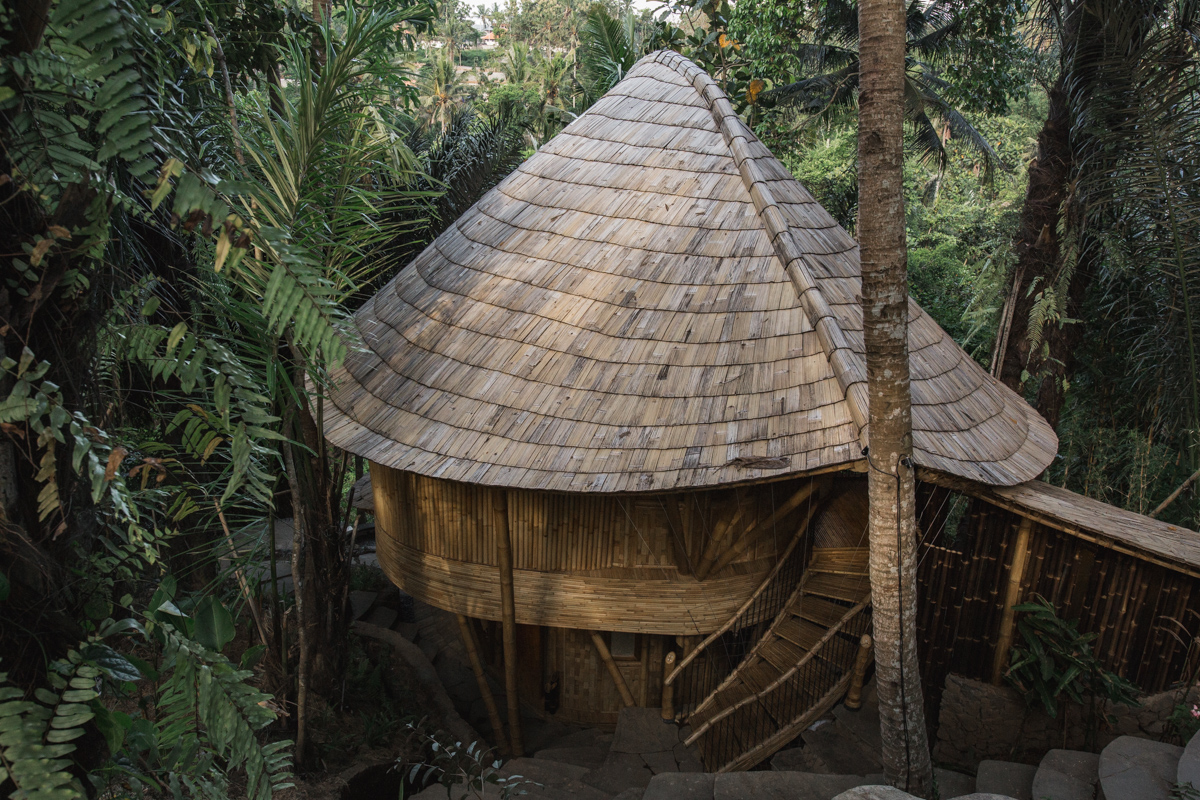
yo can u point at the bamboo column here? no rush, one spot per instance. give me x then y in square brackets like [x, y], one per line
[853, 699]
[668, 690]
[508, 610]
[1012, 596]
[489, 700]
[613, 669]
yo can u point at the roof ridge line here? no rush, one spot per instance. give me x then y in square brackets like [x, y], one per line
[850, 374]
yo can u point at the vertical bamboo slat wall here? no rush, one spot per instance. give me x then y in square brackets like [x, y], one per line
[1131, 604]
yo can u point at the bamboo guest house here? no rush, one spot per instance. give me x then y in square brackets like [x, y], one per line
[616, 417]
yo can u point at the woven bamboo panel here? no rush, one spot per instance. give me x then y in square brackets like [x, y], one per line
[1143, 613]
[644, 537]
[651, 302]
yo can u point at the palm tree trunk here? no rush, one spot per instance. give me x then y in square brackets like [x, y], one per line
[1039, 261]
[892, 515]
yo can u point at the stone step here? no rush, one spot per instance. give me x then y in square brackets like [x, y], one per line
[1188, 770]
[751, 786]
[1132, 768]
[590, 757]
[1067, 775]
[1007, 778]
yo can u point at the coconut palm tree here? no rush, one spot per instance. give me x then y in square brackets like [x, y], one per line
[517, 64]
[830, 56]
[442, 90]
[892, 478]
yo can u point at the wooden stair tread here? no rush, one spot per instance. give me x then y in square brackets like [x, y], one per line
[782, 653]
[825, 613]
[840, 560]
[759, 675]
[851, 588]
[801, 632]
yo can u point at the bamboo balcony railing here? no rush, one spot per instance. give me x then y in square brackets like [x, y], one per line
[795, 671]
[700, 670]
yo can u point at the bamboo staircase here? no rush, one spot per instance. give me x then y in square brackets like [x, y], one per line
[798, 668]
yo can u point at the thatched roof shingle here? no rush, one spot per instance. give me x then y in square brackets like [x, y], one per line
[651, 302]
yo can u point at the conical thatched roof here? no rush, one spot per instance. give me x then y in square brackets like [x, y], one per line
[622, 314]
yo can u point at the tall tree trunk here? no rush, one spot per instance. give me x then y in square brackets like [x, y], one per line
[1040, 258]
[892, 515]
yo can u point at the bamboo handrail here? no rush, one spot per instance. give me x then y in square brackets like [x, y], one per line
[809, 656]
[744, 607]
[787, 732]
[783, 614]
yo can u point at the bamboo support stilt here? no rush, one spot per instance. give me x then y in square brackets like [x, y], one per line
[1012, 596]
[668, 690]
[644, 674]
[489, 700]
[613, 669]
[508, 610]
[853, 699]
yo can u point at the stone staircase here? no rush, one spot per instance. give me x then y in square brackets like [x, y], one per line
[796, 672]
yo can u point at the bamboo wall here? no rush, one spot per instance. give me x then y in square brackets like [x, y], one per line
[579, 561]
[1144, 614]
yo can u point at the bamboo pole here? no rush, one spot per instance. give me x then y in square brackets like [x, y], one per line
[668, 690]
[1171, 497]
[729, 623]
[1011, 597]
[243, 584]
[742, 542]
[853, 699]
[644, 673]
[489, 700]
[715, 542]
[613, 669]
[508, 610]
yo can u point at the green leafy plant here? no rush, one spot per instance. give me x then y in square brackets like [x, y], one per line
[1054, 664]
[1184, 722]
[37, 736]
[465, 770]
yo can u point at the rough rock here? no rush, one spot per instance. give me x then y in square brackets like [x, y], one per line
[381, 616]
[687, 759]
[681, 786]
[979, 721]
[1189, 763]
[361, 602]
[630, 794]
[661, 762]
[643, 730]
[953, 784]
[1006, 778]
[1138, 769]
[586, 757]
[620, 771]
[877, 792]
[1067, 775]
[782, 785]
[985, 796]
